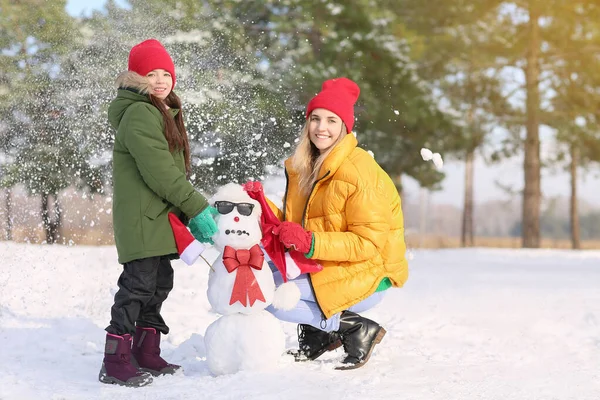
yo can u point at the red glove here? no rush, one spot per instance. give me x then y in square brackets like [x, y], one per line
[293, 236]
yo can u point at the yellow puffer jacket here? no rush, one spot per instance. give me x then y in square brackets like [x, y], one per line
[355, 214]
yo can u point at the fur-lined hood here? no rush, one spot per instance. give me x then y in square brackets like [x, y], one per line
[133, 89]
[133, 80]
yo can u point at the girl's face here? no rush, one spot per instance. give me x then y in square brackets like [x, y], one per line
[161, 83]
[324, 128]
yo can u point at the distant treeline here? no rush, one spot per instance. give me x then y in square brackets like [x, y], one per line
[466, 79]
[559, 227]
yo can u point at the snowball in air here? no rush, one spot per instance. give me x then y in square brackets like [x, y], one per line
[426, 154]
[437, 160]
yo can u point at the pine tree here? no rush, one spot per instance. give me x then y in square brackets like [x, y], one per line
[39, 152]
[306, 43]
[459, 57]
[573, 109]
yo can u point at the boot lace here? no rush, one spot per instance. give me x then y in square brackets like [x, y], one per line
[302, 338]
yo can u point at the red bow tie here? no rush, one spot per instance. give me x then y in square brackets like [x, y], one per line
[245, 286]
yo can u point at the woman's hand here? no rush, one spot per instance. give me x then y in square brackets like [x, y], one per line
[294, 236]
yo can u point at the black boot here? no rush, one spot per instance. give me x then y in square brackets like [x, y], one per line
[314, 342]
[359, 336]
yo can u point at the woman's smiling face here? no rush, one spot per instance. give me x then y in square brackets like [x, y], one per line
[324, 128]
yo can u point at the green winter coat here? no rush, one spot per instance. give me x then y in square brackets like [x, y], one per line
[149, 181]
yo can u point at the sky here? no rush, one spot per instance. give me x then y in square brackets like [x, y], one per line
[79, 7]
[508, 173]
[485, 324]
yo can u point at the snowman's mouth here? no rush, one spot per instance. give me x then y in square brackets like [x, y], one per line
[234, 232]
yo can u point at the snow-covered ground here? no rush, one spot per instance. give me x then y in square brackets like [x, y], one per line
[469, 324]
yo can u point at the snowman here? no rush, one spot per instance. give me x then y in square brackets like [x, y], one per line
[240, 287]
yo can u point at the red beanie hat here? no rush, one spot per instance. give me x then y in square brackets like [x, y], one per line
[150, 55]
[338, 96]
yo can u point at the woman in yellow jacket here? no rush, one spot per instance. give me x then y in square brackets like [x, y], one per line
[341, 209]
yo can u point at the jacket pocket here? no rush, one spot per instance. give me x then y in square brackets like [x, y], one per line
[155, 207]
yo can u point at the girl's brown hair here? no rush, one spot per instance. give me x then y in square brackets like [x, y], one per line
[307, 159]
[175, 132]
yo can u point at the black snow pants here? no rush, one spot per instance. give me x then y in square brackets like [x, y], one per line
[144, 285]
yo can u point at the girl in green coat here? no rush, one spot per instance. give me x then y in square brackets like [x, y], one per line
[151, 162]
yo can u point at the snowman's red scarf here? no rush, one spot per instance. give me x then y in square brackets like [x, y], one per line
[245, 285]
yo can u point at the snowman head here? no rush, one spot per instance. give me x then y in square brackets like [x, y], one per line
[238, 219]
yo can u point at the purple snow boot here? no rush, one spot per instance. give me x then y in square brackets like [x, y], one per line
[146, 352]
[117, 367]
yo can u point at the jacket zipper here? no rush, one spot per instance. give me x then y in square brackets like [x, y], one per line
[287, 183]
[323, 319]
[310, 194]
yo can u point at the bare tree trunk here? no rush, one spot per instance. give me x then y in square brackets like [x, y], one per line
[531, 164]
[314, 36]
[51, 223]
[8, 203]
[575, 229]
[466, 239]
[46, 218]
[57, 223]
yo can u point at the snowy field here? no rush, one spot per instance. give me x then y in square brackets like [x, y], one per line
[469, 324]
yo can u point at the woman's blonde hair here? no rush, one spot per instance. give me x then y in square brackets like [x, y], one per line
[307, 159]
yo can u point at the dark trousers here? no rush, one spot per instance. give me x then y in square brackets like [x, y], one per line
[143, 286]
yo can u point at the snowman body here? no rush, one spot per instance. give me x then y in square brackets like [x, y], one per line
[221, 283]
[244, 342]
[240, 287]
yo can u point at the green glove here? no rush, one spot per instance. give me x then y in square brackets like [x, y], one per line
[203, 225]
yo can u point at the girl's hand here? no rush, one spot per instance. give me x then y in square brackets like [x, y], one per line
[203, 225]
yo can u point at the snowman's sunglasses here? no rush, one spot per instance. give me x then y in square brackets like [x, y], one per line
[225, 207]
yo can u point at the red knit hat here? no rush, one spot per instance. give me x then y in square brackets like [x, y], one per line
[150, 55]
[338, 96]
